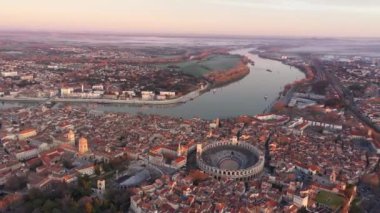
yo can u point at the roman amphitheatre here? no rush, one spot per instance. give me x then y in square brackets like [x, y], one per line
[230, 159]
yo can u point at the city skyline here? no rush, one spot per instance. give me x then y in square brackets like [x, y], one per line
[317, 18]
[189, 106]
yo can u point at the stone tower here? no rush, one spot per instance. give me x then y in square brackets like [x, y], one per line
[179, 150]
[333, 176]
[199, 148]
[83, 145]
[101, 186]
[70, 137]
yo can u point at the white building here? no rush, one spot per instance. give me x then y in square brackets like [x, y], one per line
[98, 87]
[66, 91]
[84, 95]
[9, 74]
[300, 200]
[27, 77]
[86, 170]
[166, 93]
[101, 187]
[147, 95]
[27, 154]
[131, 93]
[53, 67]
[27, 133]
[161, 97]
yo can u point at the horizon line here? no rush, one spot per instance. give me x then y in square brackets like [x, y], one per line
[178, 35]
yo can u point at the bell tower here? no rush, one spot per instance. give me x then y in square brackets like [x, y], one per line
[199, 149]
[83, 145]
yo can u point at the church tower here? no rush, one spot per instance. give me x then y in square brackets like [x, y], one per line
[101, 186]
[83, 146]
[199, 149]
[179, 150]
[70, 137]
[333, 176]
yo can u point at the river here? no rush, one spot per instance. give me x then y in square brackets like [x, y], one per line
[244, 97]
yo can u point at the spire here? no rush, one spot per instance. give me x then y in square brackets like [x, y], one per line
[333, 176]
[179, 149]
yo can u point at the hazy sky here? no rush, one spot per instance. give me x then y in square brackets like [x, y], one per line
[229, 17]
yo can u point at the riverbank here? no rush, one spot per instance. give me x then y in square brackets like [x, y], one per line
[221, 78]
[214, 79]
[285, 95]
[181, 99]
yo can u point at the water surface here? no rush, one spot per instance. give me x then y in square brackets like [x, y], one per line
[242, 97]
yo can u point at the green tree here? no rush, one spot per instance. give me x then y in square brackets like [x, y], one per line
[49, 205]
[37, 202]
[15, 183]
[98, 169]
[88, 207]
[119, 198]
[55, 210]
[35, 193]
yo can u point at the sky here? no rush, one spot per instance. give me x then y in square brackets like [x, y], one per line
[316, 18]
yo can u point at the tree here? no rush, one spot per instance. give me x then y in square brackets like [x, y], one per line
[84, 182]
[55, 210]
[48, 206]
[97, 170]
[107, 167]
[82, 189]
[15, 183]
[37, 203]
[88, 207]
[34, 193]
[119, 198]
[58, 191]
[68, 204]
